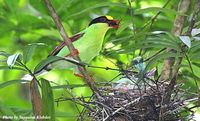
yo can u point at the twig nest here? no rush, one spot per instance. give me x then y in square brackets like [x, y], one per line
[127, 102]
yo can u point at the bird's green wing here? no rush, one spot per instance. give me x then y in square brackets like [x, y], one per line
[61, 45]
[56, 50]
[89, 45]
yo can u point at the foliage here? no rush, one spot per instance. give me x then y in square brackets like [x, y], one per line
[28, 35]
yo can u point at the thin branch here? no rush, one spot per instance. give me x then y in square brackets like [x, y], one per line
[152, 20]
[194, 17]
[123, 107]
[155, 54]
[195, 80]
[71, 48]
[131, 13]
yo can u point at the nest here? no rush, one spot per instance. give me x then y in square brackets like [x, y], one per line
[146, 104]
[129, 100]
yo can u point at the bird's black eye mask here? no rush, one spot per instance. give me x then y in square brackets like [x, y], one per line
[106, 19]
[101, 19]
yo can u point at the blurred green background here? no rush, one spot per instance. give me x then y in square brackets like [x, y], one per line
[24, 22]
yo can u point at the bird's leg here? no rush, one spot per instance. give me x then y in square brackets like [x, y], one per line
[78, 75]
[81, 76]
[76, 52]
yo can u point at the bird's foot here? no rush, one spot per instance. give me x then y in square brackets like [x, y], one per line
[75, 52]
[82, 77]
[78, 75]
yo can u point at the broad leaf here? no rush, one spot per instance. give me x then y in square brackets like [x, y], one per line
[91, 8]
[52, 59]
[36, 98]
[2, 53]
[8, 83]
[195, 47]
[197, 38]
[29, 52]
[12, 59]
[195, 32]
[45, 62]
[160, 57]
[13, 68]
[71, 86]
[6, 111]
[47, 100]
[154, 9]
[186, 40]
[123, 25]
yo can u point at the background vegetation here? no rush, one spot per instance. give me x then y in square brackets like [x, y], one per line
[27, 28]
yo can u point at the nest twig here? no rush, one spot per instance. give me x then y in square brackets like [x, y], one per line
[141, 105]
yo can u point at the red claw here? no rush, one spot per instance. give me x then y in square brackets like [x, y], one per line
[79, 75]
[75, 52]
[82, 77]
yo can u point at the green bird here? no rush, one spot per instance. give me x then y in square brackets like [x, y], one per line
[87, 43]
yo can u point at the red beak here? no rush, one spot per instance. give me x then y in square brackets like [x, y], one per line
[114, 23]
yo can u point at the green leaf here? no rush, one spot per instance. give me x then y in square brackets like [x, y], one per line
[22, 111]
[64, 114]
[6, 111]
[91, 8]
[159, 57]
[8, 83]
[45, 62]
[39, 7]
[29, 53]
[195, 47]
[123, 25]
[195, 32]
[52, 59]
[13, 68]
[47, 100]
[154, 9]
[195, 56]
[71, 86]
[12, 59]
[156, 59]
[196, 64]
[186, 40]
[11, 4]
[2, 53]
[35, 98]
[160, 45]
[196, 38]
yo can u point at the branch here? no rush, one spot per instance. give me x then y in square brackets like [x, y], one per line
[122, 108]
[131, 14]
[183, 7]
[152, 20]
[152, 56]
[194, 17]
[177, 29]
[71, 48]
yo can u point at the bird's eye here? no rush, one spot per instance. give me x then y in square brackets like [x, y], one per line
[103, 19]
